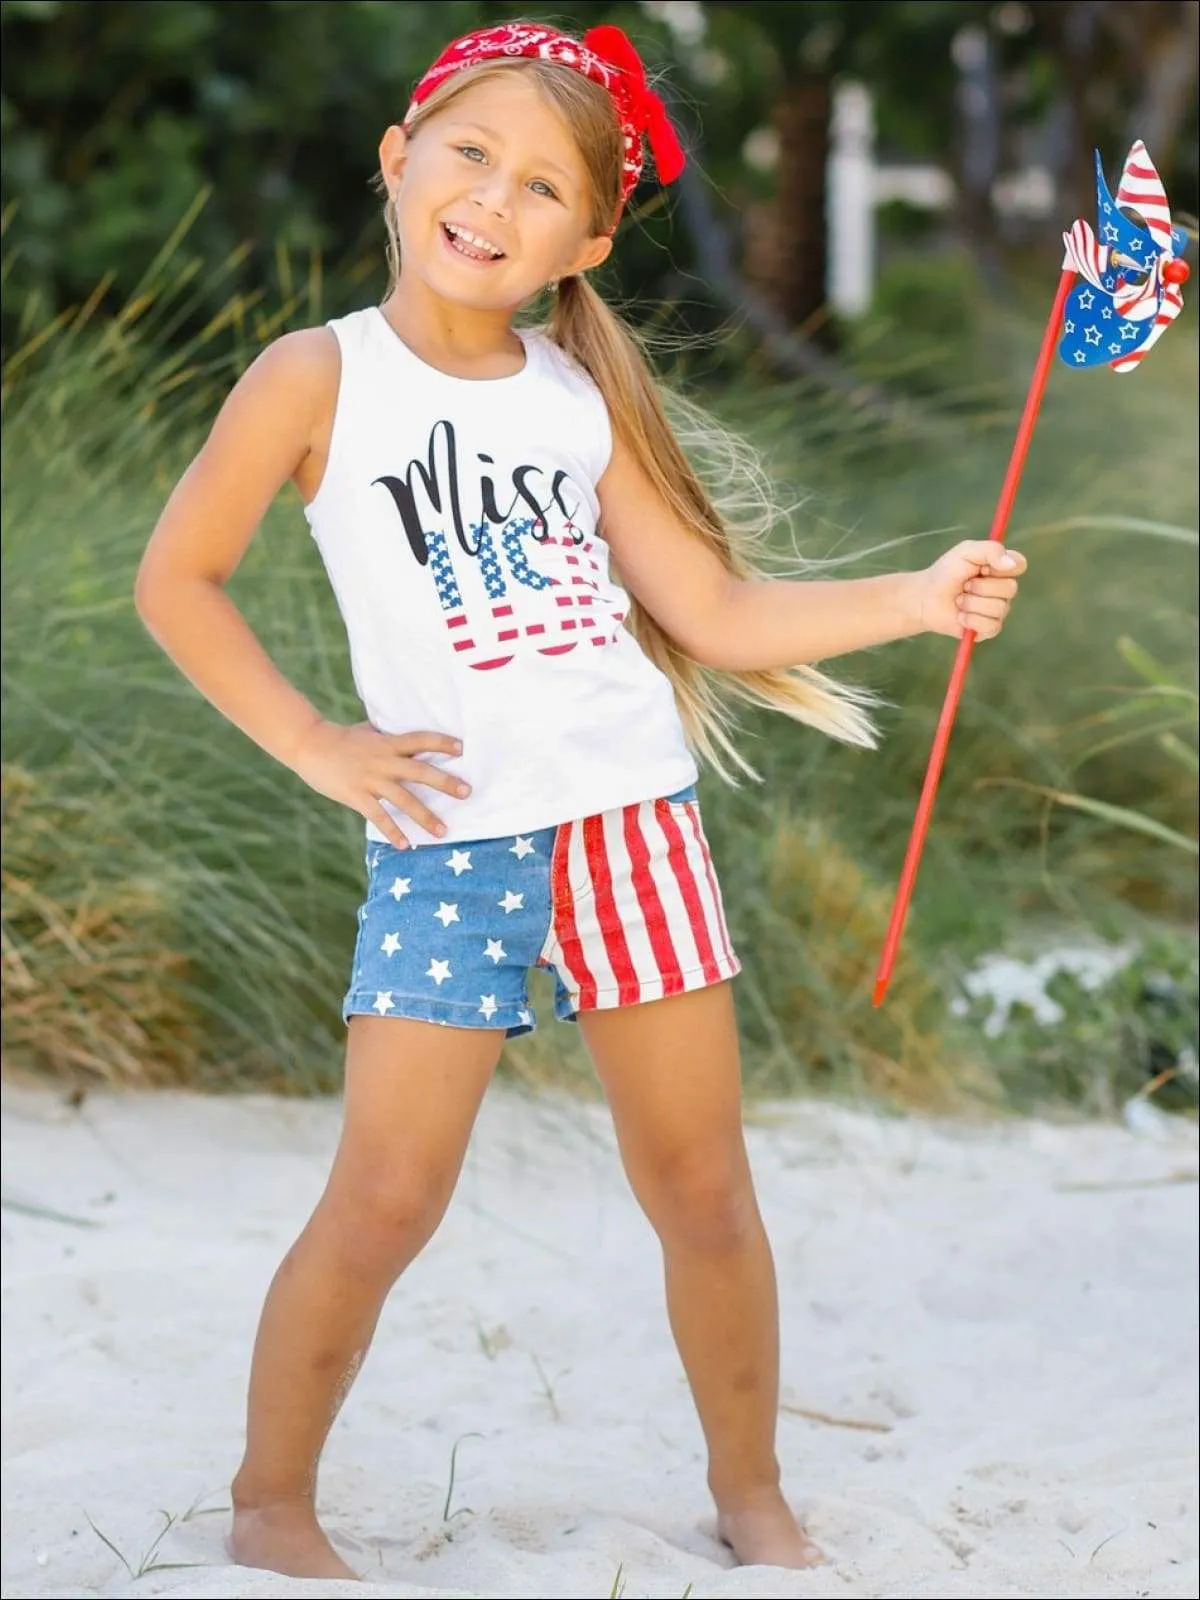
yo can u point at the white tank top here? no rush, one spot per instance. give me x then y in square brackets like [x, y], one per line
[457, 519]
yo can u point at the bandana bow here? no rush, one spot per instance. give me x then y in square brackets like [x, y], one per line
[637, 102]
[606, 55]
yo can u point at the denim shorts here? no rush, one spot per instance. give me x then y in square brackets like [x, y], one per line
[621, 907]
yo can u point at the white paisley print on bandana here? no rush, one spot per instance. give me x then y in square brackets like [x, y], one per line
[606, 55]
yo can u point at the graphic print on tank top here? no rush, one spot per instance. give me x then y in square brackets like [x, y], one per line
[512, 555]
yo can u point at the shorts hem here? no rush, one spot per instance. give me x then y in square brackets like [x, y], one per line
[616, 998]
[447, 1013]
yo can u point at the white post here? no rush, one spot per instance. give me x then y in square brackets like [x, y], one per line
[851, 201]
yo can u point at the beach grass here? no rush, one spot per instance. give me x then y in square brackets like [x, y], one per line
[179, 909]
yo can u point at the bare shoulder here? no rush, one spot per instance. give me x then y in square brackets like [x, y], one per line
[304, 370]
[305, 364]
[278, 417]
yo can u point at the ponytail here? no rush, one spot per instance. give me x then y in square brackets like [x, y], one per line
[599, 342]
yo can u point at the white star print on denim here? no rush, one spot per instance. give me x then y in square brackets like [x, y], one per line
[619, 908]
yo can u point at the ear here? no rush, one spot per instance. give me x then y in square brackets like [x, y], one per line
[393, 153]
[594, 253]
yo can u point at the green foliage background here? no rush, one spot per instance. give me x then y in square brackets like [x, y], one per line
[197, 177]
[116, 113]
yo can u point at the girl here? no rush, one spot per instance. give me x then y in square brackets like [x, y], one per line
[526, 768]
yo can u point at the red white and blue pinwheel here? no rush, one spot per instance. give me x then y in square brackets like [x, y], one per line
[1118, 292]
[1133, 271]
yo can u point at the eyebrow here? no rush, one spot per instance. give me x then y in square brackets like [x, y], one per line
[490, 133]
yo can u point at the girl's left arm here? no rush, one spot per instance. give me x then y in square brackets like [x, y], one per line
[758, 624]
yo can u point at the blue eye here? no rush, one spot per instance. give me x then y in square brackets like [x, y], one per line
[472, 152]
[539, 186]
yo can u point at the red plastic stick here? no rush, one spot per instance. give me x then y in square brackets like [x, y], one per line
[941, 738]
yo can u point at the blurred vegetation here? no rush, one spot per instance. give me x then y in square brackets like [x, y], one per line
[184, 180]
[179, 908]
[116, 113]
[1131, 1037]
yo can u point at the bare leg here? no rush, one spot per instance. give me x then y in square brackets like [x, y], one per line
[671, 1071]
[412, 1093]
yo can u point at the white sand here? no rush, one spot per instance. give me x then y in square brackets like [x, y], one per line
[1012, 1310]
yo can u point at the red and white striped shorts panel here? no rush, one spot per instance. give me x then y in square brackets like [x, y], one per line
[636, 911]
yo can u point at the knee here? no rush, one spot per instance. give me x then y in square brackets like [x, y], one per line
[378, 1221]
[703, 1202]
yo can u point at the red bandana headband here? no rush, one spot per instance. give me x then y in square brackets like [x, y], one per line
[606, 56]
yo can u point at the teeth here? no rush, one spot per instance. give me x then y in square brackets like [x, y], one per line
[473, 239]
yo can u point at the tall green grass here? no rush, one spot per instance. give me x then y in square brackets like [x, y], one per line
[179, 908]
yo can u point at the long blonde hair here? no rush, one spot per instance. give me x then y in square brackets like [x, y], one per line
[734, 517]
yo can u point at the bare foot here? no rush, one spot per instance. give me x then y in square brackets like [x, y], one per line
[285, 1538]
[762, 1532]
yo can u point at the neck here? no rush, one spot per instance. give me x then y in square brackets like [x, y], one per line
[460, 340]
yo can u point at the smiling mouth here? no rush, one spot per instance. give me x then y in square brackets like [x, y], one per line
[471, 246]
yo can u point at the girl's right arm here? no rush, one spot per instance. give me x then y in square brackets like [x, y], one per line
[273, 427]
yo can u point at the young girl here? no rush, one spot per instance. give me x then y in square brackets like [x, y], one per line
[526, 768]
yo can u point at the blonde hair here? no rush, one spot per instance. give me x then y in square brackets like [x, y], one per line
[734, 517]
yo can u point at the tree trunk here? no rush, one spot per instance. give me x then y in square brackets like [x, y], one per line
[976, 158]
[1072, 33]
[1165, 42]
[786, 241]
[1137, 53]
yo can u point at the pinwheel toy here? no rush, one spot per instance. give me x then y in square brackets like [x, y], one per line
[1134, 275]
[1118, 293]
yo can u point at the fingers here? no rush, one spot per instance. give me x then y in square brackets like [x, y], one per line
[376, 814]
[411, 744]
[984, 600]
[401, 798]
[432, 778]
[984, 618]
[993, 557]
[406, 770]
[389, 778]
[994, 588]
[983, 609]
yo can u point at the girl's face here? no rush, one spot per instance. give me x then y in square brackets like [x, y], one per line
[492, 197]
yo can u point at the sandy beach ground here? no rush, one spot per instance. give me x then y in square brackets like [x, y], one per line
[989, 1360]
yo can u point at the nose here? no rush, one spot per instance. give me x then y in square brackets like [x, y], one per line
[493, 193]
